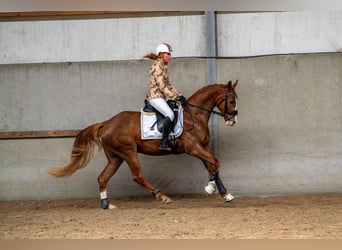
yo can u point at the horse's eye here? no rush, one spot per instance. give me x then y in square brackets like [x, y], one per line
[232, 102]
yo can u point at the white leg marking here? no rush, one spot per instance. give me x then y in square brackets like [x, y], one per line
[103, 194]
[229, 197]
[210, 188]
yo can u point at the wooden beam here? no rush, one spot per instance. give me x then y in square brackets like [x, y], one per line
[38, 134]
[61, 13]
[57, 15]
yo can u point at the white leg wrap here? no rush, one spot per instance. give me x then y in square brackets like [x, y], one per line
[228, 197]
[103, 194]
[210, 188]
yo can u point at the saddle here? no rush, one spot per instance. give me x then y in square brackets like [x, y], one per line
[152, 124]
[148, 108]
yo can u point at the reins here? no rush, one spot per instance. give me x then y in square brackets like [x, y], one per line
[209, 111]
[195, 106]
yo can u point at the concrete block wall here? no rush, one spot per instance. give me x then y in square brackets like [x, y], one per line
[73, 96]
[287, 141]
[106, 39]
[279, 33]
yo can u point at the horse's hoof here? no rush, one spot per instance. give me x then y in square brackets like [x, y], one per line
[105, 203]
[111, 206]
[167, 200]
[228, 197]
[209, 190]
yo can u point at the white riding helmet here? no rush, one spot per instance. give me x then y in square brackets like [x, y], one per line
[163, 47]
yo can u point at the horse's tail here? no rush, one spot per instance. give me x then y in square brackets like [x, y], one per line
[82, 152]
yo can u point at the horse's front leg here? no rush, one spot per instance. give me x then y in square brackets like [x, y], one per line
[212, 165]
[214, 183]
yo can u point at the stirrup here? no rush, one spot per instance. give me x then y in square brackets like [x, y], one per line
[164, 146]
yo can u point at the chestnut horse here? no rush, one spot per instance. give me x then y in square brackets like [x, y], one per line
[120, 138]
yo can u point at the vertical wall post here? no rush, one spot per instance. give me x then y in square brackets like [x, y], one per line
[211, 53]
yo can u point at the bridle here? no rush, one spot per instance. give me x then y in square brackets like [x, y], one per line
[223, 114]
[226, 110]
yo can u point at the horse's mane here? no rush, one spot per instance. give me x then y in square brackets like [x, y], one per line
[205, 88]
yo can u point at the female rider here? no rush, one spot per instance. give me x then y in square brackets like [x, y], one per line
[160, 89]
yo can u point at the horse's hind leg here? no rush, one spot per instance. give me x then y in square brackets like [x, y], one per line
[137, 176]
[110, 169]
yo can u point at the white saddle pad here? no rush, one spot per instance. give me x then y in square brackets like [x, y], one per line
[149, 132]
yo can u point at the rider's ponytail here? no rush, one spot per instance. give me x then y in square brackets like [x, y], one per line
[151, 56]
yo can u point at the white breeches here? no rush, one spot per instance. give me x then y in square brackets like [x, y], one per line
[161, 105]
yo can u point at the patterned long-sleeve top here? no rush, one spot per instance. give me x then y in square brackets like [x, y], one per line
[160, 86]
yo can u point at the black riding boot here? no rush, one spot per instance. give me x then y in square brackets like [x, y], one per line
[166, 131]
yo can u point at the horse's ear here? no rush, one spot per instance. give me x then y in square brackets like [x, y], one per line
[229, 84]
[235, 84]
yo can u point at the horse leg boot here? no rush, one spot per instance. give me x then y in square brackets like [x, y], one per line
[166, 131]
[215, 182]
[221, 188]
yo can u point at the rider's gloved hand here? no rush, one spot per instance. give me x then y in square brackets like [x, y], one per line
[181, 99]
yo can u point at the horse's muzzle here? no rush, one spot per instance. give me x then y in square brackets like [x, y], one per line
[231, 122]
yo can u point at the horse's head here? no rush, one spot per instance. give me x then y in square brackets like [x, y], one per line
[228, 105]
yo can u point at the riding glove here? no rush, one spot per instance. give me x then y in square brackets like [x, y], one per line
[181, 99]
